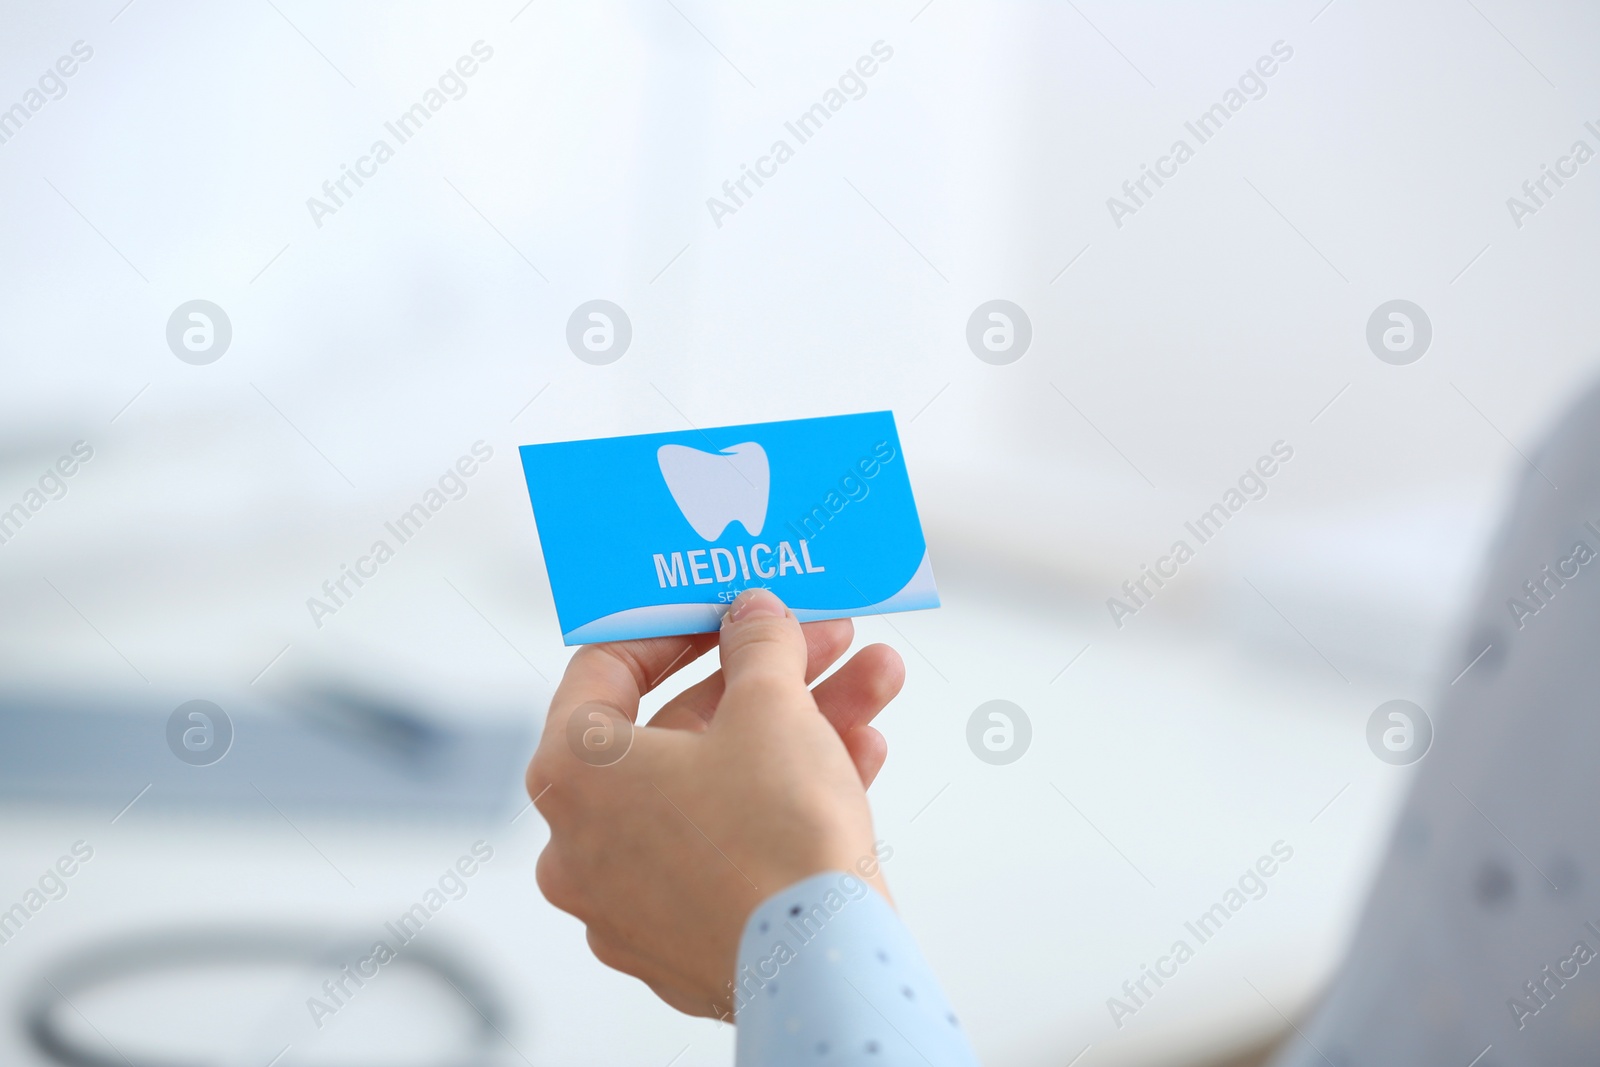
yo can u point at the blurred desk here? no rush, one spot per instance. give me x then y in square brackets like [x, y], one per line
[1158, 772]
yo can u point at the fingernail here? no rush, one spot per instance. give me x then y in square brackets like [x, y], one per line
[754, 604]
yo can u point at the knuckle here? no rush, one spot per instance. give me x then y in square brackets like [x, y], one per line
[764, 630]
[766, 643]
[551, 763]
[765, 685]
[536, 777]
[607, 951]
[551, 875]
[540, 782]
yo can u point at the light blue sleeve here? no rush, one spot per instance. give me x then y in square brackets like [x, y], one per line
[829, 975]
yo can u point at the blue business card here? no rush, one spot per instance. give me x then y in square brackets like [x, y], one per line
[656, 534]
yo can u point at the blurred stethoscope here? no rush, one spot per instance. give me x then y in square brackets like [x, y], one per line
[338, 749]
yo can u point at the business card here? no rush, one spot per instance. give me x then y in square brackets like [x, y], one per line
[656, 534]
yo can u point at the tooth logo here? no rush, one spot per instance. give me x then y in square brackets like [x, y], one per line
[713, 489]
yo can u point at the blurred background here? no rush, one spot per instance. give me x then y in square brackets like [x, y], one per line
[373, 340]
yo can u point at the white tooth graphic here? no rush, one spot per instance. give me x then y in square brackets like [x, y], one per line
[713, 489]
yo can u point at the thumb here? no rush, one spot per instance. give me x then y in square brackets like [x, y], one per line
[763, 649]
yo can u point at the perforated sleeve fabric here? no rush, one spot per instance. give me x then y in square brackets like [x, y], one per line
[829, 975]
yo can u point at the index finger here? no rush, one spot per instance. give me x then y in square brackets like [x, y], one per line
[618, 673]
